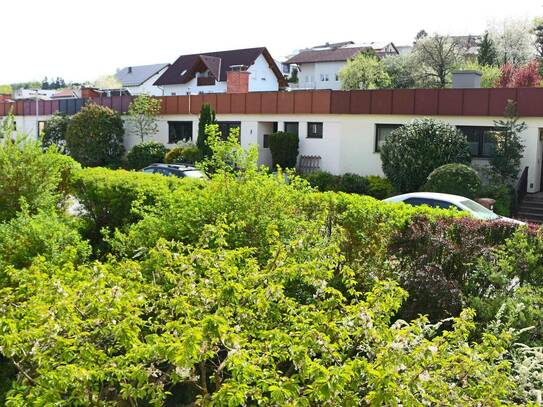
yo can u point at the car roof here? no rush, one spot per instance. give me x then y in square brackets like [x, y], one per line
[432, 195]
[173, 166]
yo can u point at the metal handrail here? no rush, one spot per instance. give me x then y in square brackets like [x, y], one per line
[522, 187]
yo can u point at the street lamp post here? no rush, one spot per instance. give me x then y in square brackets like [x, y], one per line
[37, 95]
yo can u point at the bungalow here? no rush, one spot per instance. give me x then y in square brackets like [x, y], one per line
[240, 70]
[319, 66]
[140, 79]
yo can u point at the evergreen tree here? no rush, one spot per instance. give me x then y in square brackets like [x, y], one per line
[487, 55]
[45, 83]
[207, 116]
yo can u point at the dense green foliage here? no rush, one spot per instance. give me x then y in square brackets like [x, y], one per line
[207, 117]
[249, 290]
[95, 136]
[364, 72]
[188, 154]
[284, 149]
[413, 151]
[373, 185]
[54, 132]
[457, 179]
[504, 196]
[143, 154]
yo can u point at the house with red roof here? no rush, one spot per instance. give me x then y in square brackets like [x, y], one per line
[235, 71]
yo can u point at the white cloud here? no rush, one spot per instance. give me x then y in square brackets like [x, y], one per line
[83, 40]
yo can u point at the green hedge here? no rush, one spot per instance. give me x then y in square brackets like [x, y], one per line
[284, 149]
[183, 155]
[144, 154]
[372, 185]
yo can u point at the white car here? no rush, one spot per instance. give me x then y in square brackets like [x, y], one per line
[447, 201]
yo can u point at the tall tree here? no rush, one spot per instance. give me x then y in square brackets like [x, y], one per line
[207, 116]
[365, 71]
[438, 55]
[487, 55]
[421, 35]
[513, 41]
[142, 116]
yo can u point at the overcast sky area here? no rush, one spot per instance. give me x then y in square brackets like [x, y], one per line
[81, 40]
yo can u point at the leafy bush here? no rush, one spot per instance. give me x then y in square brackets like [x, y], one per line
[322, 180]
[31, 177]
[379, 187]
[457, 179]
[353, 183]
[54, 132]
[413, 151]
[284, 149]
[144, 154]
[183, 155]
[504, 196]
[45, 234]
[95, 136]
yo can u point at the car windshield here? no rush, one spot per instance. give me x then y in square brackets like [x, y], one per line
[194, 174]
[479, 210]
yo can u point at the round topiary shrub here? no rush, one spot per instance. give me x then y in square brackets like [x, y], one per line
[183, 155]
[379, 187]
[353, 183]
[457, 179]
[94, 136]
[413, 151]
[145, 154]
[284, 149]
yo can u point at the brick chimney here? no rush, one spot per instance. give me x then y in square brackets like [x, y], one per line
[87, 93]
[237, 82]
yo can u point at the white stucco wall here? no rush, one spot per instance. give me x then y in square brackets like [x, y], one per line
[348, 140]
[310, 75]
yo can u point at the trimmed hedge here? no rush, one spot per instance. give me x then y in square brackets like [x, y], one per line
[183, 155]
[284, 149]
[457, 179]
[144, 154]
[372, 185]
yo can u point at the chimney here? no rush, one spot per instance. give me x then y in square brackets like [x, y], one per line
[466, 79]
[237, 82]
[129, 69]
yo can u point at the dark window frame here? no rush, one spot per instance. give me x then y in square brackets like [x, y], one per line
[379, 126]
[297, 124]
[178, 123]
[319, 134]
[481, 138]
[226, 126]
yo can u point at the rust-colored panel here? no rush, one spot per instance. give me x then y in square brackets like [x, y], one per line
[127, 101]
[530, 102]
[196, 102]
[20, 108]
[475, 102]
[381, 101]
[47, 107]
[116, 103]
[254, 103]
[211, 100]
[3, 109]
[426, 101]
[171, 104]
[238, 103]
[223, 103]
[285, 102]
[28, 108]
[302, 102]
[55, 106]
[183, 105]
[403, 101]
[321, 102]
[269, 102]
[498, 100]
[340, 102]
[450, 102]
[360, 102]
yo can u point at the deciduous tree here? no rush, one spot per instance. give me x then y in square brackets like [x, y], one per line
[364, 71]
[438, 56]
[142, 116]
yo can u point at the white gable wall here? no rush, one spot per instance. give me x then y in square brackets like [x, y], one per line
[147, 87]
[311, 75]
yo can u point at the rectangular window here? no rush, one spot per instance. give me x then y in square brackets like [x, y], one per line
[292, 128]
[314, 130]
[179, 131]
[225, 128]
[382, 131]
[266, 141]
[275, 126]
[324, 77]
[480, 139]
[337, 77]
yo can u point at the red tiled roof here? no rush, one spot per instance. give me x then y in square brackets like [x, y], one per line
[325, 55]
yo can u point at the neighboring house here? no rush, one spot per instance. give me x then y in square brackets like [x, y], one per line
[469, 44]
[31, 94]
[319, 66]
[243, 70]
[5, 97]
[404, 49]
[83, 92]
[65, 94]
[140, 79]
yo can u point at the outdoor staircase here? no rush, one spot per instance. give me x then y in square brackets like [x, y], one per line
[531, 208]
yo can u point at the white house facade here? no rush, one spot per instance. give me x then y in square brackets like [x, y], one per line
[140, 80]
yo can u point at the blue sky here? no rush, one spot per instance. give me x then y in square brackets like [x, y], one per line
[81, 40]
